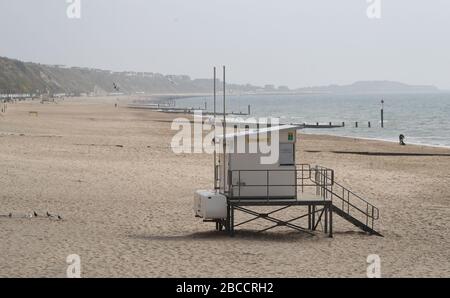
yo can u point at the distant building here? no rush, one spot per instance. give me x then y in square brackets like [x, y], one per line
[269, 87]
[283, 88]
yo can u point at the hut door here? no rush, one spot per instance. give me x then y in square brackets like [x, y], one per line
[286, 157]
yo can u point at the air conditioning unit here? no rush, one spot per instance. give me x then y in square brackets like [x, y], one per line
[209, 204]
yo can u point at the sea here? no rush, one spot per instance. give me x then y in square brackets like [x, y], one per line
[423, 119]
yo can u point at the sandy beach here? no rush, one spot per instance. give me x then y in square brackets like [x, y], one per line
[125, 200]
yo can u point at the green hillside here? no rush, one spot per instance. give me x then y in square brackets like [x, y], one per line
[26, 77]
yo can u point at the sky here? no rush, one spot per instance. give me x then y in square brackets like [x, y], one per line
[297, 43]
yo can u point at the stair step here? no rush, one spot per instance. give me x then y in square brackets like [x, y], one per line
[355, 221]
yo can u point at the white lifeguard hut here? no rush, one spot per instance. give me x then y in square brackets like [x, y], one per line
[245, 172]
[246, 175]
[249, 176]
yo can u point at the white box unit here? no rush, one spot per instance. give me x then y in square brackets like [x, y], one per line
[209, 204]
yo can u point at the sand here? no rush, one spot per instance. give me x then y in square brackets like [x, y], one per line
[126, 203]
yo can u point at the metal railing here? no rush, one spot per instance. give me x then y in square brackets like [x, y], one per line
[303, 176]
[349, 202]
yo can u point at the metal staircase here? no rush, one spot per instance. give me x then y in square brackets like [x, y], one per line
[355, 221]
[345, 203]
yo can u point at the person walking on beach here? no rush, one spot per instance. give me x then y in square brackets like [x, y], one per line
[401, 139]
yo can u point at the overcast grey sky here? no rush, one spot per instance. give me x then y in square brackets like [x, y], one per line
[284, 42]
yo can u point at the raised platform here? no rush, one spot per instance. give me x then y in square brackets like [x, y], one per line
[280, 202]
[318, 210]
[315, 189]
[301, 200]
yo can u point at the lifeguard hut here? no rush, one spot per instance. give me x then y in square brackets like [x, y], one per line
[246, 179]
[242, 172]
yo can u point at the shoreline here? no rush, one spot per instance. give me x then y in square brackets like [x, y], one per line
[378, 140]
[420, 130]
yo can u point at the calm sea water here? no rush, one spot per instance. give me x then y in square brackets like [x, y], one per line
[422, 118]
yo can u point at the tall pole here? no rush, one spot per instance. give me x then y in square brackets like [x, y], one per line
[382, 113]
[224, 134]
[214, 128]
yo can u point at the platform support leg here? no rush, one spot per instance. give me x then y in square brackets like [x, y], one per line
[227, 222]
[325, 219]
[313, 217]
[309, 217]
[331, 223]
[232, 221]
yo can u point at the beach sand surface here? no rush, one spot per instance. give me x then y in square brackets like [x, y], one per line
[125, 200]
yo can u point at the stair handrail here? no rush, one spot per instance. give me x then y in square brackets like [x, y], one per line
[372, 212]
[358, 197]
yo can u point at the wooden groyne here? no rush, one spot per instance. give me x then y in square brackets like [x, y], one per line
[169, 108]
[164, 108]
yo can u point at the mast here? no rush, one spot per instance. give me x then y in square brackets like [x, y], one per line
[214, 128]
[224, 133]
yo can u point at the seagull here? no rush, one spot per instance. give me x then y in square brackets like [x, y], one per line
[48, 214]
[59, 217]
[35, 214]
